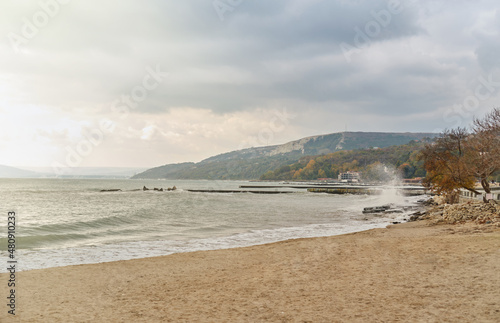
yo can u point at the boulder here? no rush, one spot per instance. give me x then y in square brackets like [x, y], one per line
[472, 211]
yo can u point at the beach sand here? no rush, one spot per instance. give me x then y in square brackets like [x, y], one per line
[409, 272]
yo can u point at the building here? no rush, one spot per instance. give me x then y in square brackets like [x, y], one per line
[350, 177]
[416, 180]
[466, 195]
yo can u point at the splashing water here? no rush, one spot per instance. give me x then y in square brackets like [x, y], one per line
[391, 192]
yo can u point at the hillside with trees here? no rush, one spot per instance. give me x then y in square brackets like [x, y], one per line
[376, 164]
[252, 163]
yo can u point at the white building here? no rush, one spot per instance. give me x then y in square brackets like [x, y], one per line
[468, 195]
[350, 177]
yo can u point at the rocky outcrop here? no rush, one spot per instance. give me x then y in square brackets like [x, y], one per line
[472, 211]
[478, 212]
[291, 146]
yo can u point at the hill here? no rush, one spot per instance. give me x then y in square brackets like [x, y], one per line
[252, 163]
[375, 164]
[12, 172]
[166, 171]
[69, 172]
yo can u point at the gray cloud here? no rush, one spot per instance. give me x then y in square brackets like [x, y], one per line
[264, 54]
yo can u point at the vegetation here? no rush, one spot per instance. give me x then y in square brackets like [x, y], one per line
[461, 157]
[375, 164]
[252, 163]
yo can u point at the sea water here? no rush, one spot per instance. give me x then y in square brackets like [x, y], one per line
[63, 222]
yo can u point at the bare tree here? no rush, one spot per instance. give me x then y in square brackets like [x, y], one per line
[484, 148]
[446, 164]
[490, 122]
[458, 157]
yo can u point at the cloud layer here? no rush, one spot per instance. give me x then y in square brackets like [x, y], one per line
[334, 65]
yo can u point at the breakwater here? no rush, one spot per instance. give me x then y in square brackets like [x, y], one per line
[406, 191]
[347, 189]
[240, 191]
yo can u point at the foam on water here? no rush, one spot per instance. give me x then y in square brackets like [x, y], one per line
[69, 223]
[47, 258]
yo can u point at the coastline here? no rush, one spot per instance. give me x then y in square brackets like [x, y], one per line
[127, 225]
[406, 272]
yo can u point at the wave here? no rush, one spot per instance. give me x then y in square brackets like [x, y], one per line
[79, 226]
[142, 249]
[39, 241]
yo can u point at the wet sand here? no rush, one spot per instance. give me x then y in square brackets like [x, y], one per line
[406, 273]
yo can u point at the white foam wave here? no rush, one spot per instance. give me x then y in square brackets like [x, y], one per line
[46, 258]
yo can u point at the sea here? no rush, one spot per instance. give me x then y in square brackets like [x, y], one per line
[61, 222]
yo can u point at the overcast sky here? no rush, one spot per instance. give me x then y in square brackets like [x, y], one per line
[146, 83]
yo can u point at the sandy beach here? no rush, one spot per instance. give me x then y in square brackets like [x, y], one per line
[408, 272]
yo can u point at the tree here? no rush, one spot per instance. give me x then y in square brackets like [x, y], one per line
[458, 158]
[490, 123]
[311, 164]
[405, 170]
[485, 148]
[444, 161]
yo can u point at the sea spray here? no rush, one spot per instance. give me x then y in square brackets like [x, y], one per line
[391, 192]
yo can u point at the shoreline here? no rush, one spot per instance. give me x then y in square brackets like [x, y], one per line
[408, 271]
[89, 255]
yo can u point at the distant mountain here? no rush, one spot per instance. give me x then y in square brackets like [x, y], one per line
[12, 172]
[252, 163]
[166, 171]
[87, 172]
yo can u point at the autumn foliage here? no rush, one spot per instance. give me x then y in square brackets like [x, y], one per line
[460, 158]
[372, 163]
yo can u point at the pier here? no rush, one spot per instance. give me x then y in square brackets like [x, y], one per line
[406, 191]
[346, 189]
[240, 191]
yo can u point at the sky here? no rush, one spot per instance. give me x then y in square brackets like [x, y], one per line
[146, 83]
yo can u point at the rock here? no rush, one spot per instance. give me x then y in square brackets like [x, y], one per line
[429, 202]
[416, 216]
[472, 211]
[439, 200]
